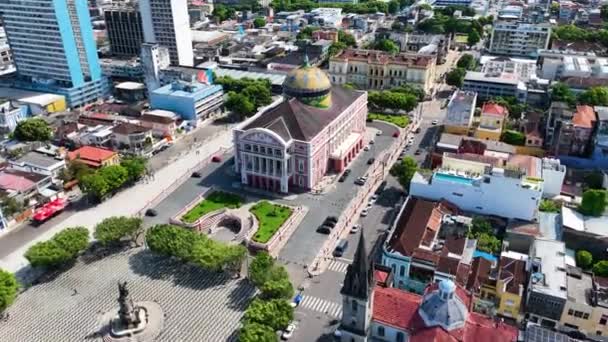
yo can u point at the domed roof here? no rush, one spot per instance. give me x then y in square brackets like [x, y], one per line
[443, 308]
[306, 81]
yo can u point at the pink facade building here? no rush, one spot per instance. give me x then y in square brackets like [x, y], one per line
[315, 130]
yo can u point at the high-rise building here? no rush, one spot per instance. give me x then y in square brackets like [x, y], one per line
[54, 48]
[519, 38]
[166, 23]
[125, 33]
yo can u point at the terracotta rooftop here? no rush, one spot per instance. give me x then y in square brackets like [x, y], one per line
[382, 57]
[126, 128]
[493, 109]
[156, 119]
[513, 272]
[480, 272]
[399, 309]
[584, 117]
[90, 155]
[530, 164]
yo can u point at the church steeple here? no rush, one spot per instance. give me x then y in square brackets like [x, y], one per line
[359, 279]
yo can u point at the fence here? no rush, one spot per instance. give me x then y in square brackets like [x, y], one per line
[379, 171]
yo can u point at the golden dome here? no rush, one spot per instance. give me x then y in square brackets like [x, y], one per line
[306, 81]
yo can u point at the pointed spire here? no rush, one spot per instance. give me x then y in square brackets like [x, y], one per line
[359, 279]
[306, 60]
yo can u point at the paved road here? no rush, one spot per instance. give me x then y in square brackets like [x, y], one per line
[319, 313]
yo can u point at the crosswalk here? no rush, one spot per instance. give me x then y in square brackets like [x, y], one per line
[321, 305]
[338, 266]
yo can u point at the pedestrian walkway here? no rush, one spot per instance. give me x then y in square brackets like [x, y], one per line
[338, 266]
[321, 305]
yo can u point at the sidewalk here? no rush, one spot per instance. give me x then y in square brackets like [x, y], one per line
[130, 201]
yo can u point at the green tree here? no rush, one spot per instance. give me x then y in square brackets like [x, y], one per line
[73, 240]
[594, 180]
[549, 206]
[336, 48]
[10, 206]
[594, 202]
[172, 240]
[259, 268]
[114, 175]
[467, 62]
[480, 225]
[113, 229]
[514, 107]
[9, 288]
[75, 170]
[33, 129]
[488, 243]
[604, 12]
[456, 77]
[222, 12]
[240, 104]
[595, 96]
[561, 92]
[473, 38]
[135, 166]
[259, 94]
[277, 289]
[347, 38]
[513, 137]
[276, 313]
[584, 259]
[404, 171]
[601, 268]
[386, 45]
[259, 22]
[306, 32]
[255, 332]
[393, 7]
[94, 185]
[47, 254]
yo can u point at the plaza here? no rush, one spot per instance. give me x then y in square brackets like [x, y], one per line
[198, 305]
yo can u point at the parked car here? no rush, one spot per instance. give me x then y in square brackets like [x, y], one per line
[417, 130]
[371, 142]
[296, 300]
[196, 174]
[370, 161]
[364, 212]
[366, 148]
[216, 159]
[347, 171]
[355, 229]
[434, 122]
[379, 133]
[324, 230]
[396, 134]
[340, 248]
[330, 224]
[418, 152]
[373, 199]
[331, 219]
[288, 332]
[151, 212]
[342, 177]
[381, 187]
[369, 206]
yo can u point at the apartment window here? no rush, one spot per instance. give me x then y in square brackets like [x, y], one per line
[456, 194]
[401, 271]
[598, 333]
[354, 305]
[300, 165]
[381, 331]
[604, 320]
[255, 148]
[578, 314]
[585, 315]
[262, 149]
[247, 147]
[400, 337]
[570, 312]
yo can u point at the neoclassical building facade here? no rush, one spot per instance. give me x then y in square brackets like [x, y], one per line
[316, 129]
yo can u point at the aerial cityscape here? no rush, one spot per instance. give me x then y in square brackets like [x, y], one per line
[304, 170]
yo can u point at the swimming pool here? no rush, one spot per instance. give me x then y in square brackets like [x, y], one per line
[453, 178]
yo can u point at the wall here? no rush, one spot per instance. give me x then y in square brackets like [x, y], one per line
[529, 150]
[509, 305]
[585, 325]
[390, 333]
[460, 130]
[182, 106]
[462, 165]
[487, 135]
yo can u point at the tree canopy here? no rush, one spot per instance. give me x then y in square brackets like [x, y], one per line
[255, 332]
[259, 22]
[601, 268]
[271, 279]
[33, 129]
[595, 96]
[455, 77]
[9, 288]
[113, 229]
[245, 95]
[561, 92]
[404, 171]
[307, 5]
[473, 38]
[467, 62]
[549, 206]
[584, 259]
[111, 178]
[386, 45]
[63, 247]
[594, 202]
[222, 12]
[135, 167]
[394, 100]
[275, 313]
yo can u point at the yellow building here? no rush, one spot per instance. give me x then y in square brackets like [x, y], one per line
[587, 306]
[491, 122]
[501, 294]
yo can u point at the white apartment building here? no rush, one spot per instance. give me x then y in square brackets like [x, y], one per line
[484, 185]
[553, 173]
[374, 69]
[519, 39]
[166, 23]
[558, 64]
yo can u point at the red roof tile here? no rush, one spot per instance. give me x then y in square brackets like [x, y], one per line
[90, 153]
[493, 109]
[584, 117]
[380, 276]
[395, 307]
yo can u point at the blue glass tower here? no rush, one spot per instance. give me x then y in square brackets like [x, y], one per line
[54, 48]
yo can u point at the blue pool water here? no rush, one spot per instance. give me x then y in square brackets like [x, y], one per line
[453, 178]
[484, 255]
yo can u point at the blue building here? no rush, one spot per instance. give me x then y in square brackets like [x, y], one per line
[10, 115]
[191, 101]
[54, 48]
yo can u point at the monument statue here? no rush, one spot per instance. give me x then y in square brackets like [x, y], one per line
[128, 314]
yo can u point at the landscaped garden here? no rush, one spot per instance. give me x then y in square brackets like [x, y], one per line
[270, 218]
[216, 200]
[399, 120]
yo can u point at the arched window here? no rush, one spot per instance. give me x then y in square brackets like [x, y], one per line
[401, 271]
[400, 337]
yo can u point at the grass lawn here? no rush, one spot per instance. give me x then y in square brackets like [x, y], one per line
[461, 38]
[399, 120]
[216, 200]
[271, 217]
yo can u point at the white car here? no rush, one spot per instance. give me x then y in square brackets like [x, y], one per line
[379, 133]
[288, 332]
[434, 122]
[365, 212]
[371, 142]
[366, 148]
[355, 229]
[373, 199]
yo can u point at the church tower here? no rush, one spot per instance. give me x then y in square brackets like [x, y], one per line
[357, 297]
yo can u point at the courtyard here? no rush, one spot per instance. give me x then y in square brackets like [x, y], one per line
[198, 305]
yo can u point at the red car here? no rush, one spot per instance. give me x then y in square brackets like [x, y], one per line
[396, 134]
[216, 159]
